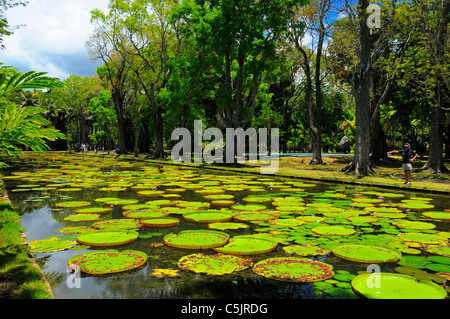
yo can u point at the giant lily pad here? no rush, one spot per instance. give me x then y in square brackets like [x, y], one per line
[113, 224]
[255, 216]
[145, 214]
[443, 250]
[305, 250]
[109, 261]
[333, 231]
[73, 204]
[82, 217]
[94, 210]
[249, 207]
[409, 224]
[247, 245]
[421, 238]
[395, 286]
[161, 222]
[231, 225]
[293, 269]
[437, 215]
[366, 253]
[197, 239]
[218, 264]
[108, 237]
[208, 217]
[49, 245]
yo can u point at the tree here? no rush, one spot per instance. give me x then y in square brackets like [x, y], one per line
[5, 28]
[23, 126]
[315, 16]
[434, 16]
[141, 33]
[363, 88]
[237, 42]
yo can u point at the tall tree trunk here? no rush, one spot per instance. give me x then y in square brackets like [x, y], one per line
[363, 88]
[315, 117]
[438, 41]
[118, 101]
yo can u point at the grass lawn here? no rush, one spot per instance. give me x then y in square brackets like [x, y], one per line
[389, 172]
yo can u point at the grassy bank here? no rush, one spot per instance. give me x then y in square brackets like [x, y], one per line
[20, 277]
[389, 172]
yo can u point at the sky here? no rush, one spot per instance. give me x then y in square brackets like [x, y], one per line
[53, 38]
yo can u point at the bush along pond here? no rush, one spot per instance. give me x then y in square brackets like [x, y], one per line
[102, 227]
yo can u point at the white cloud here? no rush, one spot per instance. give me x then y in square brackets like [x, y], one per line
[53, 28]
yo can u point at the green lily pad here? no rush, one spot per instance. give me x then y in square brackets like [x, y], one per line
[305, 250]
[82, 217]
[73, 204]
[408, 224]
[50, 245]
[395, 286]
[109, 261]
[255, 216]
[94, 210]
[247, 245]
[414, 261]
[218, 264]
[108, 237]
[113, 224]
[421, 238]
[293, 269]
[161, 222]
[224, 226]
[440, 259]
[249, 207]
[208, 217]
[437, 215]
[366, 253]
[197, 239]
[443, 250]
[145, 214]
[333, 231]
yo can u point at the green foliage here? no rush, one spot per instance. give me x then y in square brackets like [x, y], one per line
[24, 127]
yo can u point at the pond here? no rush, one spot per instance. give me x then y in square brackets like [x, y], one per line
[255, 231]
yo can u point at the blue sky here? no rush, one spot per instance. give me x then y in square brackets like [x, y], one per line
[53, 38]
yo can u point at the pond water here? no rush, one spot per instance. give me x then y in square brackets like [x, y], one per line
[36, 185]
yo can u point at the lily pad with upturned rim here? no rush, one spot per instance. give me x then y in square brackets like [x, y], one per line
[109, 261]
[165, 222]
[395, 286]
[108, 237]
[94, 210]
[217, 264]
[437, 215]
[305, 250]
[293, 269]
[50, 245]
[421, 238]
[73, 204]
[208, 217]
[333, 231]
[114, 224]
[82, 217]
[247, 245]
[366, 253]
[197, 239]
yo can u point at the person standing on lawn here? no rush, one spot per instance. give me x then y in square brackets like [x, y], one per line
[408, 156]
